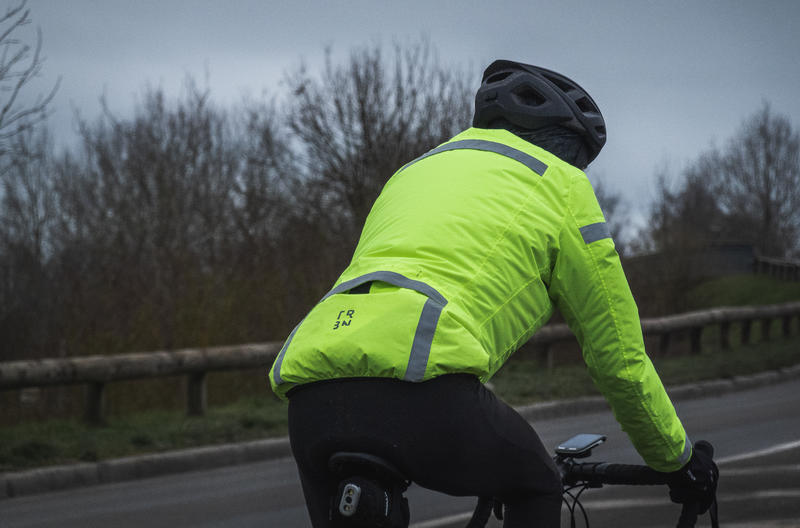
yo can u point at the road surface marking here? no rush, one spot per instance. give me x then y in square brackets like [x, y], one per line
[760, 470]
[761, 452]
[614, 504]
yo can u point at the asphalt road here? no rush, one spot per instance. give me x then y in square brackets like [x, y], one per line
[755, 434]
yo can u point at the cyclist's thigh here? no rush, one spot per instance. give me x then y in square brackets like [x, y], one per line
[476, 444]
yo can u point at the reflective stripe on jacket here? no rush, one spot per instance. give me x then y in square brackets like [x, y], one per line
[464, 254]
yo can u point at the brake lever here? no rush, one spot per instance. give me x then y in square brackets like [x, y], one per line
[688, 517]
[712, 512]
[689, 514]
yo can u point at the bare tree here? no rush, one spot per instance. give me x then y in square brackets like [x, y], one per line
[263, 187]
[758, 182]
[147, 205]
[362, 120]
[170, 225]
[748, 192]
[685, 218]
[745, 193]
[26, 192]
[27, 208]
[688, 217]
[19, 65]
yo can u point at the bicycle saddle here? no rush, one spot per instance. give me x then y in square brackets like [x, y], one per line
[346, 464]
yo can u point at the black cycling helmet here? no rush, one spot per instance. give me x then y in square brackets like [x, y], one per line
[530, 98]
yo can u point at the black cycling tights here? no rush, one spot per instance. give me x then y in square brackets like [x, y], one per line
[449, 434]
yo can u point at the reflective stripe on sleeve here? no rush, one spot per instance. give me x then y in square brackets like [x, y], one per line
[687, 452]
[526, 159]
[594, 232]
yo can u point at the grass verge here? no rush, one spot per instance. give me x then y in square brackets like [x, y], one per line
[739, 290]
[64, 441]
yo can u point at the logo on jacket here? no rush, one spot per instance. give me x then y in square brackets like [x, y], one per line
[344, 319]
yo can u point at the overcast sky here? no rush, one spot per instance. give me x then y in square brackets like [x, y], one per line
[670, 77]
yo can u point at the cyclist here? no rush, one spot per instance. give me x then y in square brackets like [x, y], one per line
[462, 258]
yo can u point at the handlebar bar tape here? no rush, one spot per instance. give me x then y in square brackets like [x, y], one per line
[603, 473]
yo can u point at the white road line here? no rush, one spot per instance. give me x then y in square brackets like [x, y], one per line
[765, 524]
[760, 470]
[590, 505]
[761, 452]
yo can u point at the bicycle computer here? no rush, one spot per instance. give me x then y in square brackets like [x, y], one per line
[580, 444]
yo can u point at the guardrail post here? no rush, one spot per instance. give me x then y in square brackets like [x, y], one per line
[695, 334]
[95, 403]
[787, 325]
[663, 343]
[746, 325]
[725, 335]
[545, 353]
[765, 327]
[551, 359]
[197, 394]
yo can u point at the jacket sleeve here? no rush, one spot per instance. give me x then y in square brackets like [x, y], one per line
[590, 289]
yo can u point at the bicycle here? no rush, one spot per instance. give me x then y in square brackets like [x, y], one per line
[371, 490]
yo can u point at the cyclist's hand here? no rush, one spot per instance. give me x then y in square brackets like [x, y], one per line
[696, 482]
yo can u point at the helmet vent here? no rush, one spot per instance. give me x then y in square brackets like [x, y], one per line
[497, 77]
[527, 96]
[564, 86]
[585, 105]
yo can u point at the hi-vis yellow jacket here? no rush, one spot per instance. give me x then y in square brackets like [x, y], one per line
[461, 260]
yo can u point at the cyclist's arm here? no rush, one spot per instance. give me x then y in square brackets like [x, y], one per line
[589, 287]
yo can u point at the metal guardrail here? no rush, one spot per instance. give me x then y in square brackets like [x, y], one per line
[97, 371]
[788, 270]
[665, 328]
